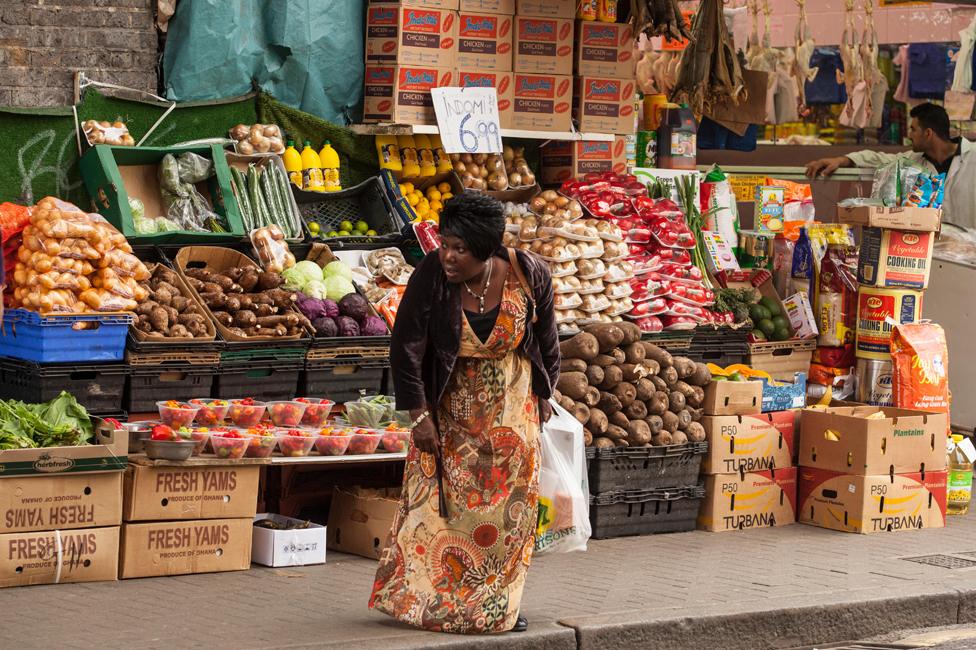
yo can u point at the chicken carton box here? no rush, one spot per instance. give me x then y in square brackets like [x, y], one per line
[743, 500]
[565, 159]
[484, 41]
[401, 94]
[605, 50]
[542, 102]
[872, 504]
[502, 82]
[543, 45]
[604, 104]
[404, 35]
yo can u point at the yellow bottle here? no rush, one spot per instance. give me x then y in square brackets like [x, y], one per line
[586, 9]
[408, 156]
[425, 155]
[606, 11]
[441, 159]
[329, 158]
[311, 169]
[960, 480]
[293, 164]
[388, 153]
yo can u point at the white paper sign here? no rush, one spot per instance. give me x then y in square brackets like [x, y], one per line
[467, 119]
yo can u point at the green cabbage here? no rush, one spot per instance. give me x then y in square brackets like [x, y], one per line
[315, 289]
[337, 268]
[298, 276]
[337, 286]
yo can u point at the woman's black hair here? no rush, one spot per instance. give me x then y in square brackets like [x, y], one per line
[476, 219]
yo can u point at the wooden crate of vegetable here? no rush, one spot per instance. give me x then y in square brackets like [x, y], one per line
[115, 175]
[246, 303]
[171, 314]
[260, 184]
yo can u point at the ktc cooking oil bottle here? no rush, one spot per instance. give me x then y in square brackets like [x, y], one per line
[408, 156]
[442, 160]
[960, 483]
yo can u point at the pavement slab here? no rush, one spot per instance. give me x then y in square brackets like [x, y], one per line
[771, 588]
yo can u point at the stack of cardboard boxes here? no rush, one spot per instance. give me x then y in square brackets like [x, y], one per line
[866, 469]
[60, 510]
[749, 472]
[189, 517]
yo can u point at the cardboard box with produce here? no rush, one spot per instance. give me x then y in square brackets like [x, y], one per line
[63, 501]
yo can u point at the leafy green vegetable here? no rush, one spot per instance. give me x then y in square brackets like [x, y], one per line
[62, 422]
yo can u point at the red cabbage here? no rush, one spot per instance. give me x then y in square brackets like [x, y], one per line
[314, 308]
[373, 326]
[354, 306]
[325, 327]
[347, 326]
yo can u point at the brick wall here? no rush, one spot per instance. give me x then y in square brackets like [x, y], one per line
[43, 42]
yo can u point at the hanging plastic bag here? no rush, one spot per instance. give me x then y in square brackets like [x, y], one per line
[564, 521]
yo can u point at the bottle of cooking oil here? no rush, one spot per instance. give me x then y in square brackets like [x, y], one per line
[388, 153]
[960, 483]
[443, 161]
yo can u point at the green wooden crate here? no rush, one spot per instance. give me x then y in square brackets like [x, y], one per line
[111, 173]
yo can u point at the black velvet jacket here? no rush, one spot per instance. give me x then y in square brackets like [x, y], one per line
[427, 333]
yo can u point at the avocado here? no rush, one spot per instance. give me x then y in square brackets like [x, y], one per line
[771, 305]
[767, 327]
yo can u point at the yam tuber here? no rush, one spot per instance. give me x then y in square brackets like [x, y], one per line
[597, 422]
[679, 438]
[268, 280]
[587, 438]
[565, 402]
[223, 318]
[660, 384]
[245, 319]
[625, 393]
[619, 419]
[581, 412]
[701, 377]
[684, 419]
[612, 375]
[697, 414]
[572, 384]
[655, 423]
[670, 421]
[695, 432]
[603, 360]
[684, 389]
[676, 402]
[608, 335]
[636, 410]
[572, 365]
[684, 366]
[658, 404]
[582, 346]
[669, 375]
[638, 433]
[663, 357]
[618, 356]
[603, 443]
[635, 353]
[645, 389]
[609, 403]
[697, 397]
[632, 372]
[632, 332]
[616, 433]
[594, 375]
[592, 396]
[179, 331]
[651, 366]
[662, 439]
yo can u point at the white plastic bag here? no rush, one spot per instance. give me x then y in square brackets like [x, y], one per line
[564, 520]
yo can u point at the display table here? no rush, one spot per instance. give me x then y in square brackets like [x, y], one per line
[337, 460]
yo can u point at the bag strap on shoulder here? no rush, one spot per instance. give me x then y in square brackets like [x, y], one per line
[520, 275]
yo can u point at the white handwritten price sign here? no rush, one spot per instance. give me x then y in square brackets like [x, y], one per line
[468, 119]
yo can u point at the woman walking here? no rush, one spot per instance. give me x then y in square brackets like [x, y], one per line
[475, 354]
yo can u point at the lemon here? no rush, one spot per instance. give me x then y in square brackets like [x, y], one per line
[433, 194]
[413, 199]
[436, 206]
[446, 196]
[435, 217]
[406, 188]
[371, 232]
[423, 210]
[345, 225]
[362, 226]
[444, 187]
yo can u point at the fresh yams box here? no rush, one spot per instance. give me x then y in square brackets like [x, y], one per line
[541, 102]
[604, 104]
[60, 502]
[562, 160]
[869, 440]
[170, 548]
[398, 35]
[401, 94]
[605, 49]
[749, 500]
[58, 556]
[749, 442]
[502, 82]
[543, 45]
[484, 41]
[895, 258]
[871, 504]
[163, 493]
[724, 397]
[360, 520]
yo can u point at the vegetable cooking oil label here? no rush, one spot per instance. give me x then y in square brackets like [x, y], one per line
[895, 258]
[874, 382]
[960, 484]
[874, 308]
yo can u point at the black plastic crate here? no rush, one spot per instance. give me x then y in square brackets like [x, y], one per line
[645, 512]
[721, 354]
[644, 468]
[262, 380]
[97, 387]
[708, 335]
[367, 202]
[175, 380]
[341, 380]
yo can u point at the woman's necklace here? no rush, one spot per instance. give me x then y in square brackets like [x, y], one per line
[481, 297]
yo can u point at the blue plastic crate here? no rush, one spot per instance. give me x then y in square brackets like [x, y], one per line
[68, 338]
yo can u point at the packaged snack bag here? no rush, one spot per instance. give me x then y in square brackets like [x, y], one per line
[921, 367]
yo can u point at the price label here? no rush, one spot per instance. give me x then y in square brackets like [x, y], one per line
[468, 119]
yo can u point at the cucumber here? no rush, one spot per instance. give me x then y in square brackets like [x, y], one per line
[284, 186]
[243, 201]
[271, 199]
[255, 195]
[285, 220]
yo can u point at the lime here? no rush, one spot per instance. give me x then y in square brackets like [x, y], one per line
[332, 233]
[766, 326]
[371, 232]
[771, 305]
[345, 225]
[362, 226]
[344, 233]
[314, 228]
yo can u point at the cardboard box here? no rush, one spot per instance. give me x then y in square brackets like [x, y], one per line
[845, 439]
[546, 8]
[60, 502]
[566, 159]
[604, 105]
[428, 4]
[401, 94]
[502, 82]
[733, 398]
[872, 504]
[605, 50]
[297, 547]
[87, 555]
[360, 520]
[543, 45]
[750, 442]
[895, 258]
[484, 41]
[542, 102]
[749, 500]
[916, 219]
[109, 452]
[783, 359]
[169, 493]
[172, 548]
[411, 36]
[562, 160]
[505, 7]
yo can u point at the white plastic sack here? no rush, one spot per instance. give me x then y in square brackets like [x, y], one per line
[564, 520]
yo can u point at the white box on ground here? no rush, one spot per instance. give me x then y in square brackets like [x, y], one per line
[287, 547]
